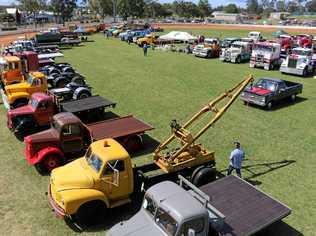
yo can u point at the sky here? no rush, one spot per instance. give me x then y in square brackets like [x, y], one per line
[214, 3]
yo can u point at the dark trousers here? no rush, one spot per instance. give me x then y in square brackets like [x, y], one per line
[230, 170]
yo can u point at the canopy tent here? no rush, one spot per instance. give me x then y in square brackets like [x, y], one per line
[178, 36]
[278, 33]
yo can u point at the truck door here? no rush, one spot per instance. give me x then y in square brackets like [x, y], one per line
[115, 180]
[71, 138]
[44, 111]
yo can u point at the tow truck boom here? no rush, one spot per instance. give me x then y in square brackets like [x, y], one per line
[190, 154]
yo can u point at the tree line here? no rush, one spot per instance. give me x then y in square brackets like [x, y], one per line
[154, 9]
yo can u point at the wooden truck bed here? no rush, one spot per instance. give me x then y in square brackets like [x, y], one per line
[118, 127]
[86, 104]
[247, 209]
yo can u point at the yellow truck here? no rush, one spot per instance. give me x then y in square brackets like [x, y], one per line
[105, 177]
[16, 95]
[149, 40]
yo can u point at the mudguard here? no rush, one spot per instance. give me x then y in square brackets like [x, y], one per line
[38, 157]
[12, 97]
[74, 198]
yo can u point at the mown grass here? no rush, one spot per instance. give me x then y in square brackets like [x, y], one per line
[164, 86]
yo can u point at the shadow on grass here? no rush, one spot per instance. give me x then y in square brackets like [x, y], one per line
[253, 170]
[280, 104]
[279, 228]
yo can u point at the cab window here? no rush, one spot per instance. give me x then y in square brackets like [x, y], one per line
[114, 164]
[37, 82]
[71, 130]
[197, 225]
[42, 105]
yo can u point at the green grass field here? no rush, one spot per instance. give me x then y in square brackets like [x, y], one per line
[280, 145]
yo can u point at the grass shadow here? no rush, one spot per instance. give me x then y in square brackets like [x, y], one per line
[269, 167]
[279, 228]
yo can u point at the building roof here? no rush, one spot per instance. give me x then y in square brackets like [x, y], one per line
[179, 203]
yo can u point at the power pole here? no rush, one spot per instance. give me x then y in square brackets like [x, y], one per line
[114, 2]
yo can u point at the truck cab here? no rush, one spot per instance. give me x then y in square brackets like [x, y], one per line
[16, 95]
[104, 175]
[265, 54]
[210, 48]
[238, 52]
[255, 35]
[149, 39]
[11, 70]
[299, 62]
[35, 114]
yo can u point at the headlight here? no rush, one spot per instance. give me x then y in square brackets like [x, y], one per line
[263, 100]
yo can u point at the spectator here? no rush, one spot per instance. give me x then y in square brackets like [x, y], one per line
[236, 158]
[145, 48]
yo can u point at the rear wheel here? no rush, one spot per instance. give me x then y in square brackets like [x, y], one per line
[238, 60]
[84, 94]
[78, 80]
[305, 72]
[293, 97]
[203, 176]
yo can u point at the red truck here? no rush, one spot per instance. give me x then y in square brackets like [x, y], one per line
[69, 138]
[36, 116]
[304, 40]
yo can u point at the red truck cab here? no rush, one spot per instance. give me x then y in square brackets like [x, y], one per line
[68, 138]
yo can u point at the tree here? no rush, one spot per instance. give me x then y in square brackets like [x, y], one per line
[186, 9]
[280, 6]
[252, 6]
[204, 8]
[63, 8]
[292, 6]
[32, 6]
[134, 8]
[311, 6]
[231, 8]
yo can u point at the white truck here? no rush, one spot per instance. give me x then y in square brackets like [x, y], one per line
[255, 35]
[299, 62]
[208, 49]
[266, 54]
[238, 52]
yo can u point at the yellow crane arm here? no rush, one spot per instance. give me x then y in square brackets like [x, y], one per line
[185, 136]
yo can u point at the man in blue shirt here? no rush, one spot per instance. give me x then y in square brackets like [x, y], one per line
[236, 157]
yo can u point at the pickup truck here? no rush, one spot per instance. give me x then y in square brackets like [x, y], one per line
[228, 206]
[69, 137]
[36, 116]
[267, 91]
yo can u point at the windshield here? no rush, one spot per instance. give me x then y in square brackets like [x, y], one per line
[236, 46]
[267, 84]
[166, 222]
[30, 79]
[34, 103]
[93, 160]
[263, 48]
[301, 52]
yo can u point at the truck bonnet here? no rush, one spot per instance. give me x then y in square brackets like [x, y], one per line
[72, 176]
[20, 111]
[46, 136]
[259, 91]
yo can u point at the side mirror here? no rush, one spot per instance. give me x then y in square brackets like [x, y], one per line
[191, 232]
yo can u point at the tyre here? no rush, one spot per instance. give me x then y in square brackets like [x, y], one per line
[238, 60]
[305, 72]
[40, 169]
[209, 54]
[83, 94]
[271, 66]
[61, 82]
[270, 105]
[68, 69]
[203, 176]
[90, 214]
[78, 80]
[50, 162]
[133, 143]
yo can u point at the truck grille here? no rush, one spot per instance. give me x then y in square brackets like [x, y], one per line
[251, 96]
[259, 58]
[292, 63]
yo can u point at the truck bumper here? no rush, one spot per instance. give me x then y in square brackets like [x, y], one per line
[59, 212]
[294, 71]
[200, 54]
[253, 101]
[5, 99]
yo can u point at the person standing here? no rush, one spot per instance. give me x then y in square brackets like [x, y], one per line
[236, 158]
[145, 48]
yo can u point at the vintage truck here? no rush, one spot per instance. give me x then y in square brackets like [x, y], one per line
[268, 91]
[36, 116]
[227, 42]
[148, 39]
[69, 137]
[255, 35]
[266, 54]
[299, 62]
[209, 49]
[303, 40]
[13, 68]
[105, 176]
[56, 37]
[238, 52]
[228, 206]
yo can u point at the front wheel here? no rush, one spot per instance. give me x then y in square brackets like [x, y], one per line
[305, 72]
[269, 105]
[49, 163]
[293, 97]
[203, 176]
[238, 60]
